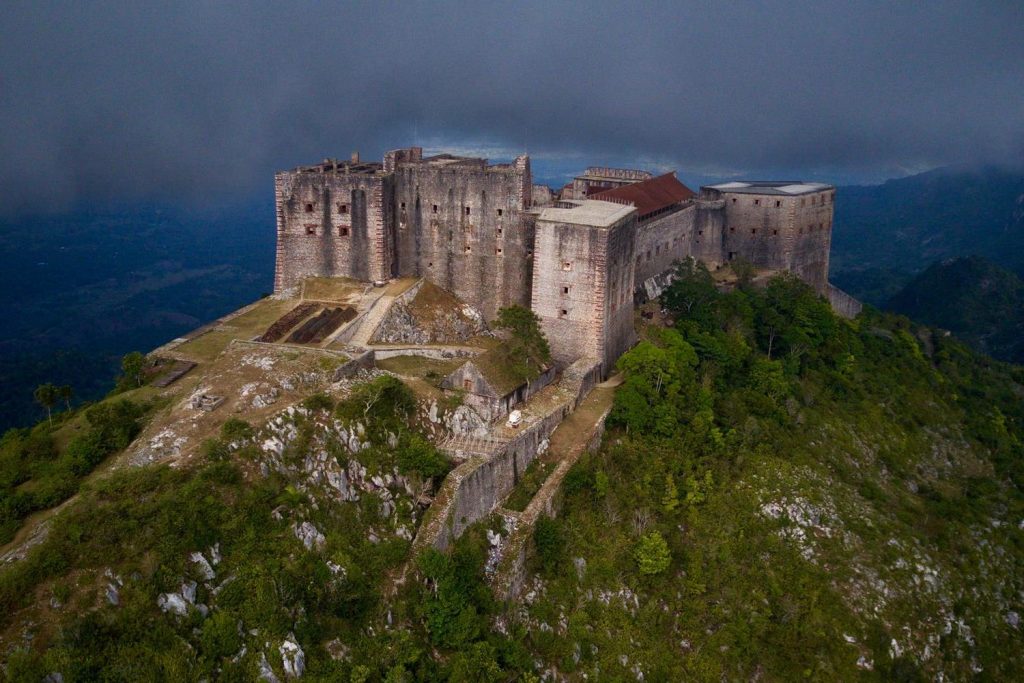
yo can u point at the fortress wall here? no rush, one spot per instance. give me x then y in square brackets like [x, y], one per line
[482, 256]
[781, 233]
[619, 282]
[709, 223]
[332, 224]
[583, 288]
[663, 241]
[842, 303]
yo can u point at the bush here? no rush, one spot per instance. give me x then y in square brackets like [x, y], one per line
[550, 543]
[418, 455]
[235, 430]
[318, 402]
[651, 554]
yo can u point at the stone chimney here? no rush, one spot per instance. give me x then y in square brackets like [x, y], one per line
[355, 157]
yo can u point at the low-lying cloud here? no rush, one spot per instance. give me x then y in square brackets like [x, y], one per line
[199, 100]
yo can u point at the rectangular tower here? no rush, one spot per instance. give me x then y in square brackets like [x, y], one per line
[583, 279]
[334, 219]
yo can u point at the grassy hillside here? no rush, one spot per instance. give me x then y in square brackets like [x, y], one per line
[972, 297]
[780, 495]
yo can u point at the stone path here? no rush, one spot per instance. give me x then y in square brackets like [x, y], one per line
[579, 432]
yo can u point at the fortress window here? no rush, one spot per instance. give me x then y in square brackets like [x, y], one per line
[775, 232]
[733, 200]
[778, 203]
[498, 251]
[732, 229]
[403, 206]
[309, 208]
[499, 232]
[435, 208]
[499, 212]
[467, 210]
[565, 290]
[430, 265]
[566, 265]
[563, 313]
[757, 202]
[343, 231]
[342, 208]
[700, 232]
[753, 231]
[310, 229]
[468, 249]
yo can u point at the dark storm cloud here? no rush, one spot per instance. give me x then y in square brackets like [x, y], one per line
[203, 100]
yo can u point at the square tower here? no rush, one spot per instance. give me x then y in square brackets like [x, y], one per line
[583, 279]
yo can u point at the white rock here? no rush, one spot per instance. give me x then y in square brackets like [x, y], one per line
[309, 535]
[266, 673]
[292, 657]
[202, 566]
[214, 551]
[1013, 619]
[172, 602]
[188, 592]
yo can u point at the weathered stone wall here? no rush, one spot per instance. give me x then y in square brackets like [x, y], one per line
[480, 396]
[663, 241]
[583, 288]
[780, 232]
[464, 226]
[332, 223]
[842, 303]
[473, 490]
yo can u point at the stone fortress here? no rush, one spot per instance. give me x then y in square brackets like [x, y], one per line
[578, 258]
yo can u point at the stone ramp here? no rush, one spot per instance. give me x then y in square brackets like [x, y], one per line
[464, 446]
[580, 432]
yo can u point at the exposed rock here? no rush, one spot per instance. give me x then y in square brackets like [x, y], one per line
[202, 566]
[292, 657]
[581, 567]
[172, 602]
[266, 673]
[309, 535]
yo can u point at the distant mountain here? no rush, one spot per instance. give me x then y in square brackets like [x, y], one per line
[884, 234]
[980, 302]
[85, 287]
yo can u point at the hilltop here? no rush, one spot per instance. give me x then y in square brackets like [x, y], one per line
[779, 493]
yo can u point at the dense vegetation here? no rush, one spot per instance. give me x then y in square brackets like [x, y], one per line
[773, 477]
[975, 299]
[780, 495]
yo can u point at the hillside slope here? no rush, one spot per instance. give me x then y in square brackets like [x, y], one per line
[972, 297]
[908, 223]
[780, 495]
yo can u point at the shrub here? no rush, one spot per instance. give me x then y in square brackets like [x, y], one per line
[651, 554]
[550, 543]
[416, 454]
[235, 430]
[319, 401]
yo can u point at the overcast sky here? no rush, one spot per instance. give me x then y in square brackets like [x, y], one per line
[186, 100]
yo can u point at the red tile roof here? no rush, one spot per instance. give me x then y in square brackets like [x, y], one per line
[649, 196]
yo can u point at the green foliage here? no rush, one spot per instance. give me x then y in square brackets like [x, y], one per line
[549, 542]
[319, 401]
[34, 476]
[235, 429]
[416, 454]
[47, 395]
[384, 400]
[133, 367]
[527, 349]
[652, 554]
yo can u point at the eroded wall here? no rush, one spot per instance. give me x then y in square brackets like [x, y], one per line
[332, 224]
[464, 226]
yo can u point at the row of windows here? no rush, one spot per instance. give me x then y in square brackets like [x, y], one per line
[826, 199]
[343, 208]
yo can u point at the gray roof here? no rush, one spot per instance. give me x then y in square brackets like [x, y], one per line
[787, 188]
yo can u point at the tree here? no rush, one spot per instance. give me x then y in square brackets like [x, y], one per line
[651, 554]
[528, 349]
[66, 393]
[131, 366]
[46, 395]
